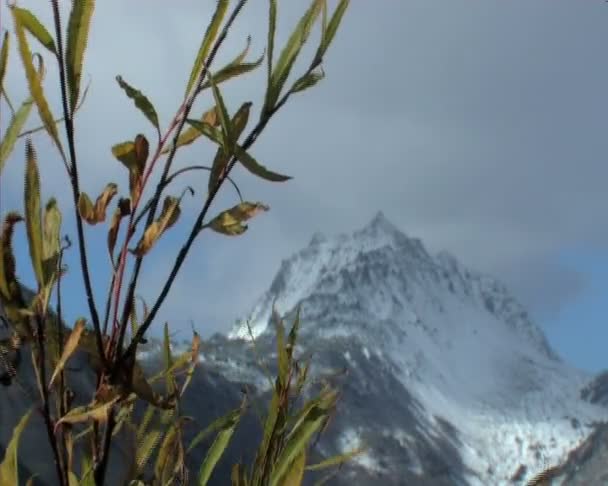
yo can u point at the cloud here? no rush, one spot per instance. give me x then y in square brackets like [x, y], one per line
[476, 126]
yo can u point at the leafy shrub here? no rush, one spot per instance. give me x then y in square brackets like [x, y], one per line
[81, 435]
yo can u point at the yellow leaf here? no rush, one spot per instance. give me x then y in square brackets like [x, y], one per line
[9, 473]
[230, 222]
[34, 80]
[68, 349]
[168, 217]
[95, 411]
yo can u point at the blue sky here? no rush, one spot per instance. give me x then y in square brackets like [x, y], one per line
[580, 331]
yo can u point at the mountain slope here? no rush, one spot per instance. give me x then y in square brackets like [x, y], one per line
[458, 350]
[443, 375]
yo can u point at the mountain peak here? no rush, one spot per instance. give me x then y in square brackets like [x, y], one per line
[381, 224]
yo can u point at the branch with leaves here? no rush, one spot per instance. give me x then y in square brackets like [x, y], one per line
[134, 228]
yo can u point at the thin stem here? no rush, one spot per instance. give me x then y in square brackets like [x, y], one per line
[250, 140]
[73, 173]
[161, 184]
[46, 412]
[100, 468]
[148, 205]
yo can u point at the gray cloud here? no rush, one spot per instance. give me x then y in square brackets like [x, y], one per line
[478, 126]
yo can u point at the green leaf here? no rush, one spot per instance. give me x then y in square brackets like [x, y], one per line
[34, 80]
[167, 455]
[230, 222]
[94, 411]
[295, 475]
[208, 39]
[146, 447]
[290, 52]
[4, 56]
[256, 168]
[297, 443]
[208, 130]
[39, 31]
[51, 229]
[168, 359]
[196, 344]
[330, 31]
[217, 424]
[272, 26]
[282, 356]
[32, 213]
[78, 34]
[217, 448]
[70, 346]
[168, 217]
[191, 134]
[141, 101]
[336, 460]
[235, 68]
[225, 122]
[238, 122]
[307, 81]
[9, 473]
[10, 137]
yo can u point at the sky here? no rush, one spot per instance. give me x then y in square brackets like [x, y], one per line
[477, 126]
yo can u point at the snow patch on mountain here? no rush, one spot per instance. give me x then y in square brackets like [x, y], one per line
[455, 338]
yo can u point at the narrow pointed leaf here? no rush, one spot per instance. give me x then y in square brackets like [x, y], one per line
[307, 81]
[220, 162]
[70, 346]
[330, 31]
[32, 213]
[336, 460]
[291, 50]
[10, 136]
[295, 474]
[167, 456]
[191, 134]
[235, 68]
[256, 168]
[141, 101]
[297, 443]
[95, 411]
[51, 229]
[216, 449]
[9, 469]
[168, 217]
[218, 424]
[230, 222]
[272, 26]
[39, 31]
[34, 80]
[168, 358]
[4, 57]
[223, 116]
[145, 448]
[207, 130]
[240, 119]
[208, 39]
[78, 34]
[196, 344]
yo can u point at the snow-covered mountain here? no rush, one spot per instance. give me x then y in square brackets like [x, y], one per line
[449, 379]
[443, 375]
